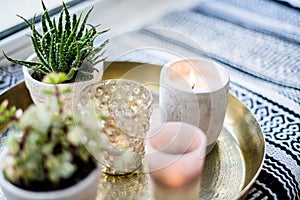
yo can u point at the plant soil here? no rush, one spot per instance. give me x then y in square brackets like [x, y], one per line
[83, 170]
[37, 76]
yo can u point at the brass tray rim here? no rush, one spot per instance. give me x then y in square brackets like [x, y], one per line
[242, 194]
[245, 189]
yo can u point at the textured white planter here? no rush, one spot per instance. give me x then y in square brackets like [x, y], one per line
[84, 190]
[36, 88]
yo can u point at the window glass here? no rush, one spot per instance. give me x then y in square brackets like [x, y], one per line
[9, 10]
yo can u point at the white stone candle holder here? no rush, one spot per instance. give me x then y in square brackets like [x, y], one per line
[195, 91]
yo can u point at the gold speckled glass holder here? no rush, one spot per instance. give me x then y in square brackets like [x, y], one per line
[128, 104]
[131, 186]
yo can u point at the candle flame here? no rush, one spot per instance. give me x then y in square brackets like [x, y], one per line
[192, 79]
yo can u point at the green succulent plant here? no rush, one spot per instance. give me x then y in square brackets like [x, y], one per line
[49, 151]
[64, 45]
[56, 148]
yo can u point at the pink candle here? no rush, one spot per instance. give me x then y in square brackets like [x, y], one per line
[175, 154]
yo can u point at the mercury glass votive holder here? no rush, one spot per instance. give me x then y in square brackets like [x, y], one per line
[127, 105]
[175, 156]
[131, 186]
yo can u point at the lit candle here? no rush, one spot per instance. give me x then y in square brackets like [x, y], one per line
[195, 91]
[192, 80]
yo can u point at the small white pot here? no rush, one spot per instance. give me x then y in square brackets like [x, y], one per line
[36, 88]
[86, 189]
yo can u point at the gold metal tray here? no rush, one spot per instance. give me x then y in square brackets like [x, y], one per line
[230, 168]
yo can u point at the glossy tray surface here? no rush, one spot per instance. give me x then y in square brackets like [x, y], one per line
[230, 168]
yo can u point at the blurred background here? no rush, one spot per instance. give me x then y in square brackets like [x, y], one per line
[117, 15]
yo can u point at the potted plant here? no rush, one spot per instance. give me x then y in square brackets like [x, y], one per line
[48, 160]
[64, 45]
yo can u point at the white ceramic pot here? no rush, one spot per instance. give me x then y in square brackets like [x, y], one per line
[84, 190]
[36, 88]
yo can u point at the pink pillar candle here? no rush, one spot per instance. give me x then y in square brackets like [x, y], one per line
[175, 155]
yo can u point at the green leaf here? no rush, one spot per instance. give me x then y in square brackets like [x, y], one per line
[47, 15]
[74, 20]
[72, 37]
[80, 33]
[71, 73]
[54, 29]
[102, 32]
[57, 56]
[67, 19]
[31, 25]
[102, 45]
[51, 58]
[46, 40]
[65, 90]
[75, 62]
[12, 111]
[61, 77]
[40, 55]
[62, 55]
[60, 26]
[3, 105]
[49, 92]
[55, 78]
[44, 25]
[30, 64]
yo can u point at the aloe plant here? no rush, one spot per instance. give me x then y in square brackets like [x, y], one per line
[63, 45]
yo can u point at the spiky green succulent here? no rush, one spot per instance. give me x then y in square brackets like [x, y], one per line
[64, 45]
